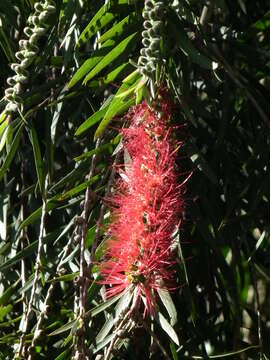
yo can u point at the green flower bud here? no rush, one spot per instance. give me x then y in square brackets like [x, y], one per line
[11, 81]
[43, 15]
[149, 4]
[39, 30]
[9, 91]
[23, 43]
[21, 79]
[145, 34]
[35, 20]
[155, 44]
[26, 62]
[50, 8]
[142, 60]
[146, 15]
[142, 52]
[34, 38]
[147, 24]
[11, 107]
[146, 42]
[20, 55]
[38, 7]
[13, 66]
[18, 88]
[28, 31]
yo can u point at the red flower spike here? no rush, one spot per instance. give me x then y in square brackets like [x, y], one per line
[147, 209]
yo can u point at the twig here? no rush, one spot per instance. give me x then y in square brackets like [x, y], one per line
[22, 349]
[156, 340]
[44, 312]
[81, 230]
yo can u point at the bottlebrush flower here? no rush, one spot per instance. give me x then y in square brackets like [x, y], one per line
[147, 206]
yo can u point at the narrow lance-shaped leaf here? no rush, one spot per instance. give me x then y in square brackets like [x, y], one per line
[38, 159]
[88, 64]
[119, 28]
[12, 152]
[167, 328]
[111, 56]
[118, 105]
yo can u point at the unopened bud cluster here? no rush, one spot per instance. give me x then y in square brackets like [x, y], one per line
[153, 14]
[28, 50]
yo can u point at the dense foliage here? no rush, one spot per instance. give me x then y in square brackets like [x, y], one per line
[60, 148]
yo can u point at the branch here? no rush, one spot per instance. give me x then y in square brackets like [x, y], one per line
[81, 231]
[22, 349]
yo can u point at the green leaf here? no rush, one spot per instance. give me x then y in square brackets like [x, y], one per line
[168, 303]
[67, 277]
[12, 152]
[27, 251]
[38, 159]
[65, 328]
[103, 343]
[258, 244]
[4, 310]
[2, 128]
[5, 128]
[98, 309]
[5, 298]
[117, 108]
[118, 28]
[110, 77]
[57, 201]
[173, 351]
[121, 306]
[51, 204]
[95, 58]
[92, 120]
[263, 23]
[167, 327]
[79, 188]
[3, 116]
[101, 19]
[63, 355]
[92, 152]
[228, 354]
[110, 57]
